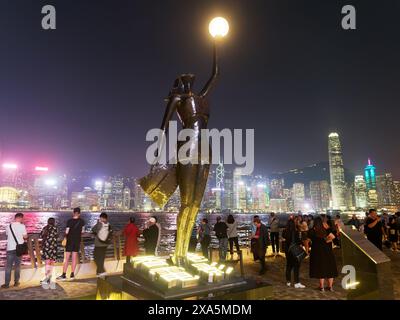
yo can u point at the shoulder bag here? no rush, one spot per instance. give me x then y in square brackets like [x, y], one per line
[20, 249]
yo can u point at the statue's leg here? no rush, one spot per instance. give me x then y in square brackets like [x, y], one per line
[192, 182]
[200, 185]
[186, 175]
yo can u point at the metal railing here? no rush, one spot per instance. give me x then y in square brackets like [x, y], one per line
[114, 251]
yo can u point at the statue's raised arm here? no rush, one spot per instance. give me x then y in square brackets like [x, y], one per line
[213, 79]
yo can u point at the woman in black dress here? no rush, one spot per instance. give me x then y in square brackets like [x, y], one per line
[322, 260]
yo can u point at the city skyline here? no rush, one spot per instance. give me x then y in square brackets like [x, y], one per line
[90, 105]
[315, 188]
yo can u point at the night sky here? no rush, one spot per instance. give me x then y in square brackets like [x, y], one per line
[83, 96]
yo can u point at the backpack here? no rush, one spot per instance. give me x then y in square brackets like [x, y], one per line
[105, 237]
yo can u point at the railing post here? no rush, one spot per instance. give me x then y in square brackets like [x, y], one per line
[83, 251]
[120, 251]
[241, 263]
[37, 251]
[30, 251]
[115, 247]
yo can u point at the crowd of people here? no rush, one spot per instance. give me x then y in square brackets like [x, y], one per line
[304, 237]
[71, 241]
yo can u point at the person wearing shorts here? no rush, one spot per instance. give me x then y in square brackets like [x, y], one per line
[73, 234]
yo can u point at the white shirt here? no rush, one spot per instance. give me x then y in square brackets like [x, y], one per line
[19, 231]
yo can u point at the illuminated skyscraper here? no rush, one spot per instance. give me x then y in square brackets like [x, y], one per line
[276, 188]
[319, 194]
[370, 176]
[386, 190]
[126, 199]
[228, 190]
[239, 190]
[298, 196]
[336, 168]
[396, 186]
[370, 181]
[360, 192]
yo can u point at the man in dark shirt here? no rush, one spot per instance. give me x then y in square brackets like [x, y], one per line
[374, 228]
[73, 234]
[261, 243]
[150, 235]
[220, 229]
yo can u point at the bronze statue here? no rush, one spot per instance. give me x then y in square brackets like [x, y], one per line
[193, 112]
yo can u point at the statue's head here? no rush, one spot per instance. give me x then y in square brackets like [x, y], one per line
[184, 83]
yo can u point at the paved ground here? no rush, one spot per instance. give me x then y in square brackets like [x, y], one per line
[64, 290]
[276, 276]
[86, 288]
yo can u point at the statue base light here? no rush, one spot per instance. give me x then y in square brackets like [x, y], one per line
[155, 278]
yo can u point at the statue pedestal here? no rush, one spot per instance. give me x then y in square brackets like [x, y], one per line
[141, 284]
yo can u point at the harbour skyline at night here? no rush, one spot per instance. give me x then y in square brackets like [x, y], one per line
[100, 122]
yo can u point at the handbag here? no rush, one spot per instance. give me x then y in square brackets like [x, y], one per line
[296, 251]
[64, 241]
[20, 249]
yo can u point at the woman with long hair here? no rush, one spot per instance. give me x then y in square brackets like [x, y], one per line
[291, 236]
[232, 234]
[49, 237]
[322, 260]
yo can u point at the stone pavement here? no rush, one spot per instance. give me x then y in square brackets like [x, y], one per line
[275, 275]
[76, 289]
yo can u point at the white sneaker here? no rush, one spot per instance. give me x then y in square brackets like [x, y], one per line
[102, 275]
[299, 286]
[288, 284]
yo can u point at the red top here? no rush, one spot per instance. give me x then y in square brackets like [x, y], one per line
[257, 235]
[131, 233]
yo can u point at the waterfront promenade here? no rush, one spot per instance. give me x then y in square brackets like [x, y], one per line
[86, 288]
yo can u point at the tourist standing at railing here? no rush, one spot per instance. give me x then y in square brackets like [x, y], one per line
[72, 241]
[103, 236]
[338, 228]
[322, 260]
[303, 228]
[393, 233]
[49, 237]
[310, 221]
[260, 243]
[16, 236]
[252, 234]
[150, 234]
[274, 233]
[354, 222]
[291, 236]
[373, 228]
[233, 236]
[131, 233]
[205, 237]
[220, 229]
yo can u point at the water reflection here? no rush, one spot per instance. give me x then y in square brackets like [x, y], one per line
[35, 221]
